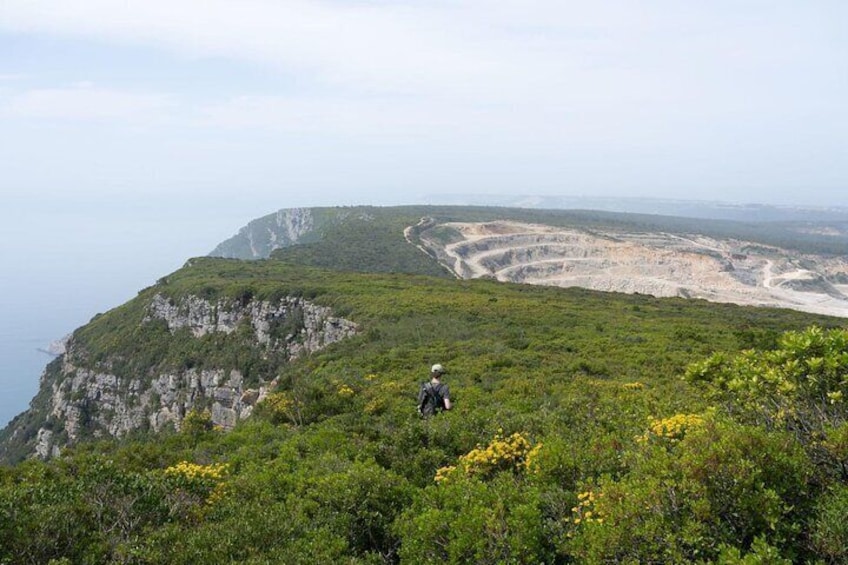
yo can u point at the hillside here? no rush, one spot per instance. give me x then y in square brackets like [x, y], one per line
[335, 466]
[264, 411]
[161, 356]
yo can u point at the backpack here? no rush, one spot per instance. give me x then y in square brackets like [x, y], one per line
[430, 399]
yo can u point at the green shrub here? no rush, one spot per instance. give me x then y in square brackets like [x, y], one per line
[471, 521]
[830, 528]
[802, 386]
[721, 484]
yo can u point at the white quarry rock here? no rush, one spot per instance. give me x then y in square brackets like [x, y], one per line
[658, 264]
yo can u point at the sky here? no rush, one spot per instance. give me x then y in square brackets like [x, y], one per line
[137, 133]
[260, 105]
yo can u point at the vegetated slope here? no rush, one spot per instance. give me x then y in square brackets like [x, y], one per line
[336, 466]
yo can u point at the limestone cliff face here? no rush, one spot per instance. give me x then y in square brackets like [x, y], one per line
[86, 400]
[260, 237]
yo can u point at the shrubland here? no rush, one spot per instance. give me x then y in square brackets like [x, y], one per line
[588, 428]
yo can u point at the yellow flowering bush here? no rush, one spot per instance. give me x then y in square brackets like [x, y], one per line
[205, 481]
[283, 407]
[196, 422]
[375, 406]
[587, 510]
[633, 386]
[514, 452]
[195, 472]
[279, 402]
[378, 397]
[344, 391]
[671, 429]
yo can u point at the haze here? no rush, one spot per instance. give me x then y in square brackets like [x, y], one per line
[302, 103]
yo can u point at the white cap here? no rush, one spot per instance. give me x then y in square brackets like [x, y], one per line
[437, 368]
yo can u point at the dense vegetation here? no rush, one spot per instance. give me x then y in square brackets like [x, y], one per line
[588, 427]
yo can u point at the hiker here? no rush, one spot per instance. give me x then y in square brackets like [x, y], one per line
[434, 395]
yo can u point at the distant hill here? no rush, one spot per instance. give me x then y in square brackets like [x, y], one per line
[703, 209]
[799, 265]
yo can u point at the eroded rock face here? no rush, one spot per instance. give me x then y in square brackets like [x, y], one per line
[44, 447]
[96, 402]
[658, 264]
[262, 236]
[313, 325]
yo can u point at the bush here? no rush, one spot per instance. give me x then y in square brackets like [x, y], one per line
[471, 521]
[830, 528]
[802, 386]
[721, 484]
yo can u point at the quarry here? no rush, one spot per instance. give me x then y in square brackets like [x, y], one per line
[659, 264]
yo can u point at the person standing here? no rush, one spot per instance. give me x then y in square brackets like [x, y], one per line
[434, 395]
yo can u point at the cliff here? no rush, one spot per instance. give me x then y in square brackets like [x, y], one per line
[260, 237]
[90, 394]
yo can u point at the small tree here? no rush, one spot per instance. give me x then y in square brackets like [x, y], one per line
[197, 422]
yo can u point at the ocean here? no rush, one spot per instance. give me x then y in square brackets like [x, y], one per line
[22, 365]
[40, 315]
[61, 267]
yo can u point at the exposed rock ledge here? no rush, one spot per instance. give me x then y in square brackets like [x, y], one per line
[93, 402]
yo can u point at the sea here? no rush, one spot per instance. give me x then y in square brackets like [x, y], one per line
[61, 267]
[22, 364]
[26, 331]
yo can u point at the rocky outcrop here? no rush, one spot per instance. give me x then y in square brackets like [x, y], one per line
[262, 236]
[89, 401]
[274, 325]
[103, 404]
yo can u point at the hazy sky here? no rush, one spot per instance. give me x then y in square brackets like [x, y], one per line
[258, 105]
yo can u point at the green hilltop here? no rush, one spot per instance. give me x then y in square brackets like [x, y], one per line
[574, 438]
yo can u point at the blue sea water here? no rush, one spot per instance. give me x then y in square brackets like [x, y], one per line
[61, 267]
[22, 365]
[40, 315]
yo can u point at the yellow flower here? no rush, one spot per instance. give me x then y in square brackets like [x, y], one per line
[514, 452]
[674, 428]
